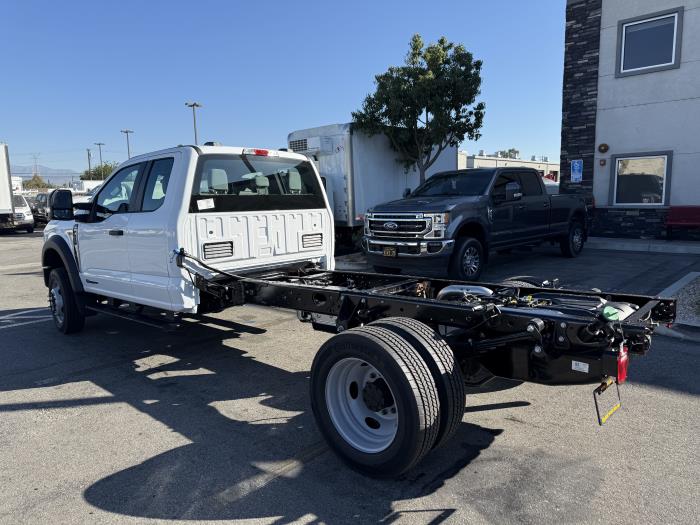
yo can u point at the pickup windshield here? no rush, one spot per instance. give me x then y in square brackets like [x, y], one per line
[254, 183]
[469, 183]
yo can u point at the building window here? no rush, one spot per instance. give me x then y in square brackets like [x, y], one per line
[641, 180]
[649, 43]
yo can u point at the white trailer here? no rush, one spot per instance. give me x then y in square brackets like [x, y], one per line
[359, 171]
[7, 210]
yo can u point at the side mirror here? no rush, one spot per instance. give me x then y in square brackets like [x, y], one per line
[406, 193]
[513, 191]
[61, 205]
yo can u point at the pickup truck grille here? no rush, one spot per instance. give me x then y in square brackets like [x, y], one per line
[312, 240]
[398, 226]
[217, 250]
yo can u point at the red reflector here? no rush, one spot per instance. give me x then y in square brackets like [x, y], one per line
[623, 360]
[261, 152]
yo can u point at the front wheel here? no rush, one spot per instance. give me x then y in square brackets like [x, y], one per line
[374, 400]
[572, 244]
[30, 229]
[467, 261]
[62, 301]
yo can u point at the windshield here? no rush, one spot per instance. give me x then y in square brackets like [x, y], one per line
[18, 201]
[471, 182]
[254, 183]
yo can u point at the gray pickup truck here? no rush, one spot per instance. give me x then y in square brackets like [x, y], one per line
[448, 225]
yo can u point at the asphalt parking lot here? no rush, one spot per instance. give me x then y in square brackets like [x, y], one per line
[125, 423]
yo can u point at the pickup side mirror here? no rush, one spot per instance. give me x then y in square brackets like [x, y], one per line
[406, 193]
[513, 191]
[61, 205]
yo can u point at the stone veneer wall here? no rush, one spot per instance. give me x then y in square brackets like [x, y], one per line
[580, 95]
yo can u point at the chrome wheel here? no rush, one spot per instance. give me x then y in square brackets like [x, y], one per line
[361, 405]
[56, 303]
[471, 261]
[577, 239]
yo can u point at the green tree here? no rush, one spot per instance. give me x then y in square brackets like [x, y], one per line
[99, 172]
[511, 153]
[427, 104]
[36, 183]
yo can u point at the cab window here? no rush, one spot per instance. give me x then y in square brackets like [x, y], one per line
[499, 187]
[115, 195]
[530, 183]
[157, 184]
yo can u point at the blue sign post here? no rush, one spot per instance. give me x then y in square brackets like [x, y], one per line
[577, 170]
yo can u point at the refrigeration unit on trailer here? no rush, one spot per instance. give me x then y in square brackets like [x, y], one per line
[359, 171]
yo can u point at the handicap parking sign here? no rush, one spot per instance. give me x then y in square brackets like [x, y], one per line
[577, 170]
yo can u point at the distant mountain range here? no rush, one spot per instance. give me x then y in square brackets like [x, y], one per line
[55, 175]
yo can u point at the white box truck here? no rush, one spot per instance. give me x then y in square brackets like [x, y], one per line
[359, 172]
[7, 210]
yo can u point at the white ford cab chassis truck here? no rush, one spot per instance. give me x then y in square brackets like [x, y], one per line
[194, 229]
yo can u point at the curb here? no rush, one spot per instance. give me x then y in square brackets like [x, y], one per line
[639, 245]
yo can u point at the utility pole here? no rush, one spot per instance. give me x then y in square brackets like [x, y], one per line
[99, 146]
[89, 166]
[194, 106]
[128, 147]
[36, 167]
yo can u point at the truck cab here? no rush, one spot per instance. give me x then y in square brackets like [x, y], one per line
[236, 209]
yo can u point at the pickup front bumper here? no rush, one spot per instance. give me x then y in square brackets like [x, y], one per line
[408, 248]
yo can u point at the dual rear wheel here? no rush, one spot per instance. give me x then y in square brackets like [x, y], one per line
[385, 394]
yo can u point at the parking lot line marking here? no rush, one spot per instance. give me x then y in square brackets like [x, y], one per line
[672, 290]
[20, 314]
[43, 319]
[20, 266]
[284, 469]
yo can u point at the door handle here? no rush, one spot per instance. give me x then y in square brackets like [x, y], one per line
[546, 205]
[522, 206]
[116, 232]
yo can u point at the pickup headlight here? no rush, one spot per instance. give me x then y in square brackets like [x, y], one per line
[439, 224]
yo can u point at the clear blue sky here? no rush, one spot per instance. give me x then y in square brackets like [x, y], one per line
[74, 73]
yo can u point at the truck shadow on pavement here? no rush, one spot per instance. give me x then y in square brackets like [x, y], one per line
[254, 450]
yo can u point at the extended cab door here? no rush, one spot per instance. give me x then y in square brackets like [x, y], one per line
[102, 239]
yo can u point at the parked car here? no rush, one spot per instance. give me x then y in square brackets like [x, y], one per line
[88, 195]
[41, 208]
[448, 225]
[24, 219]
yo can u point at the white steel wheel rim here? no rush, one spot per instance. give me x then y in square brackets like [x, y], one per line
[350, 383]
[56, 300]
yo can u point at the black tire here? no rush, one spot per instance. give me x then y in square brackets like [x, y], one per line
[67, 316]
[572, 244]
[30, 229]
[459, 267]
[443, 366]
[411, 385]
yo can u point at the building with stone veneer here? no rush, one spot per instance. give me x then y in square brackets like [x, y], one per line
[631, 110]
